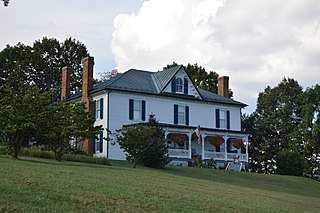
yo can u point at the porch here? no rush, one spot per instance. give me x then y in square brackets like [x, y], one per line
[223, 146]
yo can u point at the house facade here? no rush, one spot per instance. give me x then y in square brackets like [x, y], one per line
[196, 122]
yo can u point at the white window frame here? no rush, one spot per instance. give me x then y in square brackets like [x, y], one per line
[98, 109]
[179, 85]
[181, 114]
[223, 118]
[137, 110]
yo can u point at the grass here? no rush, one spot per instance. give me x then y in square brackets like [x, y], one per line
[42, 185]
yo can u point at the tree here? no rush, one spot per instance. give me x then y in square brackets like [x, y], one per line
[41, 64]
[62, 121]
[21, 109]
[276, 122]
[310, 130]
[203, 79]
[108, 75]
[144, 144]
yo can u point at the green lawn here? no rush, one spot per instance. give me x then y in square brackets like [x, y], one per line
[38, 185]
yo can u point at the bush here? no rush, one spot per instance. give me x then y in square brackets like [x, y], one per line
[144, 144]
[197, 162]
[4, 149]
[85, 159]
[212, 164]
[289, 163]
[37, 153]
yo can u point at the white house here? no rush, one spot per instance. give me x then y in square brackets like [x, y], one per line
[179, 106]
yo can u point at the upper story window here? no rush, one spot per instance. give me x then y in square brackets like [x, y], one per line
[98, 108]
[137, 110]
[222, 119]
[179, 85]
[181, 114]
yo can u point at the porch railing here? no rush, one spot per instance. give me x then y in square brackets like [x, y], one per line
[224, 156]
[179, 153]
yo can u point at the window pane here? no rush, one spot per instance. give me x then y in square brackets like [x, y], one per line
[137, 110]
[181, 114]
[179, 85]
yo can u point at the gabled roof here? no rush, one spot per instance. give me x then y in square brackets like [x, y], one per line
[153, 83]
[163, 78]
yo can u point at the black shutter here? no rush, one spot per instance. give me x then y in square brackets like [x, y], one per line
[143, 116]
[228, 119]
[101, 108]
[101, 142]
[130, 109]
[175, 114]
[185, 86]
[173, 85]
[217, 118]
[187, 115]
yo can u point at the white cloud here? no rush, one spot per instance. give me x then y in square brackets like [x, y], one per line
[255, 42]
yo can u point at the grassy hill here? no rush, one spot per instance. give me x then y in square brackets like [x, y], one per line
[38, 185]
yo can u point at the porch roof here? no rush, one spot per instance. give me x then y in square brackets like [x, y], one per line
[193, 128]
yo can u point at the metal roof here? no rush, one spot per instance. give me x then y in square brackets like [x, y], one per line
[153, 83]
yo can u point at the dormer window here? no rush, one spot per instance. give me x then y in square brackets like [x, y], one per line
[179, 85]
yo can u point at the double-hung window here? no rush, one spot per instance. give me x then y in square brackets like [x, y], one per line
[181, 114]
[98, 108]
[137, 110]
[222, 119]
[98, 143]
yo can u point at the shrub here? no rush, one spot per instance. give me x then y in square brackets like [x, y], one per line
[144, 144]
[198, 162]
[37, 153]
[85, 159]
[4, 149]
[212, 164]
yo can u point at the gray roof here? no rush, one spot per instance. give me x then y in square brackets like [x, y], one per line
[153, 83]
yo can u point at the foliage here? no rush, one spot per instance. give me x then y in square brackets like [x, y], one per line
[41, 64]
[21, 110]
[289, 163]
[277, 117]
[212, 164]
[203, 79]
[109, 75]
[66, 121]
[285, 130]
[144, 144]
[197, 162]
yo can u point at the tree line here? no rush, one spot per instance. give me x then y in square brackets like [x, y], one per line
[285, 130]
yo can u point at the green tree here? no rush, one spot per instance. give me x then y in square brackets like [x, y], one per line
[61, 122]
[202, 79]
[41, 64]
[144, 144]
[310, 131]
[276, 122]
[21, 109]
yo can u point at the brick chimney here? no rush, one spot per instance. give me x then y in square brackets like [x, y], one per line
[87, 84]
[223, 86]
[65, 83]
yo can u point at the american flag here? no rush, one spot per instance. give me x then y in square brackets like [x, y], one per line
[198, 134]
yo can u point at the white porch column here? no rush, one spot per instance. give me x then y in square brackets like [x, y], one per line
[247, 148]
[202, 144]
[190, 148]
[225, 147]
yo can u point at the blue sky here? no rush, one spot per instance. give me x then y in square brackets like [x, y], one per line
[255, 42]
